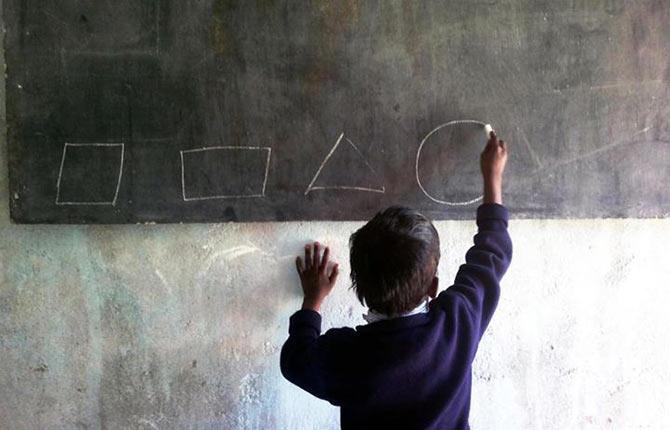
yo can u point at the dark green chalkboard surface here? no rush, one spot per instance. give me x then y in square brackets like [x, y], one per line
[132, 111]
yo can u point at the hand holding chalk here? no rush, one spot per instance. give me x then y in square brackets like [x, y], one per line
[493, 161]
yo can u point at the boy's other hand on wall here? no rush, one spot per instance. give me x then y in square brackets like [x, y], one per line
[317, 276]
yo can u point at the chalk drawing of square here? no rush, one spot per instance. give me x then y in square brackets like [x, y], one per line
[224, 172]
[90, 174]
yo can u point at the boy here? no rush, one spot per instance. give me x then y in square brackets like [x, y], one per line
[410, 366]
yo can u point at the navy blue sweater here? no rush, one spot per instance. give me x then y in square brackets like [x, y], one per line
[411, 372]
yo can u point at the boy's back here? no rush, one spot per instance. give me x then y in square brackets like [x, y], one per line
[410, 371]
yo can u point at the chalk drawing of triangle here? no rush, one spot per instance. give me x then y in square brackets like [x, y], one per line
[345, 168]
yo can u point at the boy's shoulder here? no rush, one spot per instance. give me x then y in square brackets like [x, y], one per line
[340, 332]
[338, 341]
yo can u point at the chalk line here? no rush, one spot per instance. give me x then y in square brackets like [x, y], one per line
[226, 196]
[418, 155]
[589, 154]
[345, 187]
[323, 163]
[118, 181]
[311, 186]
[267, 171]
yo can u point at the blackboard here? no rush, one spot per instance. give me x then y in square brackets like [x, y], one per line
[197, 111]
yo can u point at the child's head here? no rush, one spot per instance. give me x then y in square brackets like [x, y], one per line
[394, 260]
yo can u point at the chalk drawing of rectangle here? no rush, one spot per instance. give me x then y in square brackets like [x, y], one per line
[89, 170]
[224, 172]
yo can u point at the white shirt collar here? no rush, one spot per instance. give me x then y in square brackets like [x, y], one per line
[372, 316]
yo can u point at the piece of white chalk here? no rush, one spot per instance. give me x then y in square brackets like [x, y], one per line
[488, 129]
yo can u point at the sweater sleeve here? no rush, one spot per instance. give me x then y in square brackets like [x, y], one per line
[310, 360]
[477, 283]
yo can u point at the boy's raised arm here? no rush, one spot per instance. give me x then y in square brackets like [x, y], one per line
[492, 163]
[477, 283]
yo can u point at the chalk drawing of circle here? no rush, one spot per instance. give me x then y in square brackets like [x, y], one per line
[418, 158]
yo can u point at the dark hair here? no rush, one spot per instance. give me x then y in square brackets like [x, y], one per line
[393, 260]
